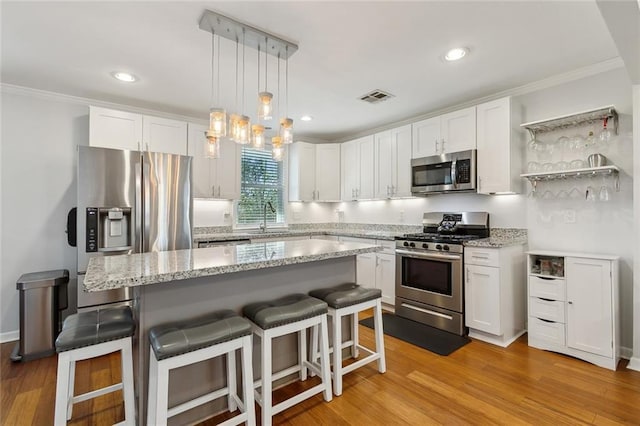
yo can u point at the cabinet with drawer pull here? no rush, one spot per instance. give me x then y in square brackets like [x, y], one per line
[574, 305]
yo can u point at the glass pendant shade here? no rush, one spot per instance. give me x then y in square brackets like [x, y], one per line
[244, 130]
[286, 130]
[278, 150]
[264, 105]
[257, 137]
[234, 127]
[218, 122]
[212, 146]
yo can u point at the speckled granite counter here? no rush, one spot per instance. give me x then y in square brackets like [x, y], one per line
[501, 237]
[230, 236]
[110, 272]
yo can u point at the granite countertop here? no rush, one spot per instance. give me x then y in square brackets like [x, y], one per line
[501, 237]
[274, 233]
[111, 272]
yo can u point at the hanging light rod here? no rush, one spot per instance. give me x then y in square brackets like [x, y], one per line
[231, 29]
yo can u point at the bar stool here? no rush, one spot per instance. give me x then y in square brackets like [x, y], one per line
[291, 314]
[88, 335]
[349, 299]
[179, 344]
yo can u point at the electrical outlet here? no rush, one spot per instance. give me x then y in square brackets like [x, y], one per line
[401, 217]
[570, 216]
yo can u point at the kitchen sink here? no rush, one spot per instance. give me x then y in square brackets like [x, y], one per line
[268, 231]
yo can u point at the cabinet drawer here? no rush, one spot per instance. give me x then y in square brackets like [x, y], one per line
[552, 310]
[481, 256]
[549, 331]
[546, 288]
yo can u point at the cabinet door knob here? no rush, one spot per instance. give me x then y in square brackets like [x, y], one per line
[436, 145]
[570, 302]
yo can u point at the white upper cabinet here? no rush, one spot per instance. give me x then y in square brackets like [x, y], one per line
[452, 132]
[312, 172]
[499, 147]
[393, 163]
[357, 169]
[214, 178]
[164, 135]
[110, 128]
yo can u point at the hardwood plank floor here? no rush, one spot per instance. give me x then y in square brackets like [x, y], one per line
[478, 384]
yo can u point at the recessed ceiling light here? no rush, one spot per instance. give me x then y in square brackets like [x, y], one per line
[306, 118]
[124, 76]
[456, 53]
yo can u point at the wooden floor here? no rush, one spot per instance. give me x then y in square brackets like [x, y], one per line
[478, 384]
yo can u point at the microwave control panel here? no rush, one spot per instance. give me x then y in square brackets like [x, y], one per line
[463, 171]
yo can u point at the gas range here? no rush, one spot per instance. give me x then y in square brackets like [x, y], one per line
[446, 232]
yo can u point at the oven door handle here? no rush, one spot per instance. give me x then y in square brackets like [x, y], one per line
[434, 256]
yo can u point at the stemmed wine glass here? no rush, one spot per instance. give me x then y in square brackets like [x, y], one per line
[605, 134]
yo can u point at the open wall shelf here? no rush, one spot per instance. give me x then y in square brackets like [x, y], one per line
[572, 120]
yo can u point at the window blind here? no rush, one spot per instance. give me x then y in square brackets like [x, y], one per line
[261, 181]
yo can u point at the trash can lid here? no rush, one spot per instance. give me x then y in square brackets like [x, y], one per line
[42, 279]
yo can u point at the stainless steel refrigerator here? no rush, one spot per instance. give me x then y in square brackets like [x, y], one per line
[129, 202]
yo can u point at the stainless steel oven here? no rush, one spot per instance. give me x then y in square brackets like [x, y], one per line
[429, 268]
[453, 172]
[429, 288]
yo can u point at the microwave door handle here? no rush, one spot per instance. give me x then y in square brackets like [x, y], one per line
[454, 173]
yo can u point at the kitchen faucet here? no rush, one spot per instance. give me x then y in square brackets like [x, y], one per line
[263, 226]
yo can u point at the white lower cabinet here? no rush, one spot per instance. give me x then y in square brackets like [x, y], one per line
[377, 270]
[495, 294]
[574, 308]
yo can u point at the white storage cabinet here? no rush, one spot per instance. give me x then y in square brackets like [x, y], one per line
[495, 293]
[393, 163]
[574, 306]
[313, 173]
[500, 147]
[452, 132]
[377, 270]
[115, 129]
[214, 178]
[357, 169]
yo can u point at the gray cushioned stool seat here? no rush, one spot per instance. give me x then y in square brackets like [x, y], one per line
[90, 328]
[286, 310]
[346, 294]
[186, 336]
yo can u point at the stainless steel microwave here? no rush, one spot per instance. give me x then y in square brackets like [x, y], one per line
[437, 174]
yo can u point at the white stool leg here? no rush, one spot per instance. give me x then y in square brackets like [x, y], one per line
[152, 389]
[354, 335]
[127, 383]
[324, 355]
[266, 379]
[377, 317]
[72, 382]
[302, 353]
[337, 353]
[247, 381]
[62, 390]
[232, 385]
[314, 347]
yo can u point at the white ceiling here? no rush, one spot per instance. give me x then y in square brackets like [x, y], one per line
[345, 50]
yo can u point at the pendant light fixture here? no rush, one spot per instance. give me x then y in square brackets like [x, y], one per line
[265, 98]
[234, 119]
[257, 130]
[277, 150]
[217, 116]
[244, 124]
[286, 123]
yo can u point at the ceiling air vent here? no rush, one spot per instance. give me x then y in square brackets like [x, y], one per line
[376, 96]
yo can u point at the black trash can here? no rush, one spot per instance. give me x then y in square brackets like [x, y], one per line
[42, 296]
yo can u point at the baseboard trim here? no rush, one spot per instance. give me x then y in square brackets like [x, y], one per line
[9, 336]
[634, 364]
[626, 353]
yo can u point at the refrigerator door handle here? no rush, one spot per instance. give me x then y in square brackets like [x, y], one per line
[137, 229]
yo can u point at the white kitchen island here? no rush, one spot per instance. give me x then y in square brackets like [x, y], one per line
[183, 284]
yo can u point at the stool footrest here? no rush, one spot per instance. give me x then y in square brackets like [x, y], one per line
[97, 392]
[181, 408]
[297, 398]
[359, 363]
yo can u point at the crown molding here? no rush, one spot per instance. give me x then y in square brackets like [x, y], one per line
[13, 89]
[556, 80]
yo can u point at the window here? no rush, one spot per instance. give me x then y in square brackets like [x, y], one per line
[261, 181]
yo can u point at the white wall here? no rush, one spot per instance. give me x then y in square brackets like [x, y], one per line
[39, 139]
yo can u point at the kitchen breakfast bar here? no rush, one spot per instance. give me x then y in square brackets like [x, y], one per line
[183, 284]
